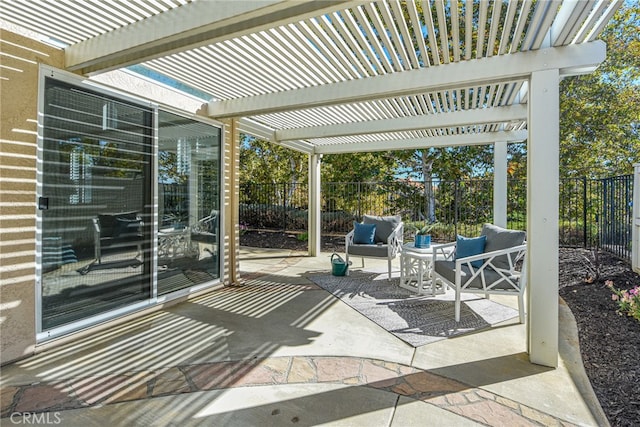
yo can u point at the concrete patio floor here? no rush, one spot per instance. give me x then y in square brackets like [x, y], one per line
[278, 350]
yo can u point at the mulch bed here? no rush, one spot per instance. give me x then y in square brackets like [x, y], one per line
[291, 241]
[609, 342]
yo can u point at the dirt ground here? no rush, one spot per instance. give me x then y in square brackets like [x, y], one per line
[609, 342]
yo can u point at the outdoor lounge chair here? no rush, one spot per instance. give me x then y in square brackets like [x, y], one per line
[383, 238]
[485, 265]
[117, 231]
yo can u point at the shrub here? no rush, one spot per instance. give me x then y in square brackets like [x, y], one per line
[628, 300]
[337, 221]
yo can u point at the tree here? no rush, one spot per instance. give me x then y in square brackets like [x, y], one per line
[600, 112]
[360, 167]
[262, 161]
[444, 164]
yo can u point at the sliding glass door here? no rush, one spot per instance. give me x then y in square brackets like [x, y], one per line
[95, 203]
[129, 205]
[188, 202]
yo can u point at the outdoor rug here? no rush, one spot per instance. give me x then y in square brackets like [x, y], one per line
[415, 319]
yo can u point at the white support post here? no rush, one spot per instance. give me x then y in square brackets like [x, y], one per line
[542, 217]
[314, 205]
[500, 184]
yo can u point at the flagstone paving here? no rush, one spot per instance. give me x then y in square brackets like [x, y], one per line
[436, 391]
[470, 402]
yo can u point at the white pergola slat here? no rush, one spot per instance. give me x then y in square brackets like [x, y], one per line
[182, 28]
[419, 142]
[445, 77]
[407, 123]
[338, 76]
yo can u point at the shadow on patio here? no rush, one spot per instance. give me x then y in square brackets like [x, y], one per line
[279, 350]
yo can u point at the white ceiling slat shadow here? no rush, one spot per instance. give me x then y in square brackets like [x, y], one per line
[290, 69]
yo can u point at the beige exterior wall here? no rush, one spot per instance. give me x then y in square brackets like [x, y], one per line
[18, 143]
[18, 127]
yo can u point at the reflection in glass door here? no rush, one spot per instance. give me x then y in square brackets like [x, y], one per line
[95, 204]
[188, 203]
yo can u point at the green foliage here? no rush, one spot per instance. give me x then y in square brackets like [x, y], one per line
[359, 167]
[439, 231]
[168, 168]
[449, 163]
[425, 230]
[600, 111]
[262, 161]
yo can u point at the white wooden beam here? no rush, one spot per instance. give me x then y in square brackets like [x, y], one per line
[476, 72]
[253, 128]
[259, 130]
[457, 118]
[500, 183]
[301, 146]
[601, 21]
[565, 25]
[483, 138]
[186, 27]
[542, 217]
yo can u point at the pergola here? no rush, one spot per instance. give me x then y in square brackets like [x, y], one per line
[337, 76]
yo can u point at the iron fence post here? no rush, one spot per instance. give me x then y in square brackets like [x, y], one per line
[584, 211]
[455, 206]
[359, 198]
[285, 205]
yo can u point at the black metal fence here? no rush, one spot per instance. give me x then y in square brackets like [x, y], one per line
[593, 213]
[615, 220]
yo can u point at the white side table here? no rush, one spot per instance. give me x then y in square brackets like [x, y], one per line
[415, 270]
[173, 243]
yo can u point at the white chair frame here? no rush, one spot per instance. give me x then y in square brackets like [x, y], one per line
[394, 246]
[512, 280]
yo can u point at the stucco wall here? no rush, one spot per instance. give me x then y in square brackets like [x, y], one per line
[18, 126]
[18, 143]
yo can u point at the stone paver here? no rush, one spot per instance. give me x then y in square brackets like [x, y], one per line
[302, 371]
[170, 381]
[7, 395]
[330, 369]
[473, 403]
[42, 397]
[492, 413]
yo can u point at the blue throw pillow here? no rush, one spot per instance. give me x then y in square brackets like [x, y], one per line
[364, 233]
[467, 246]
